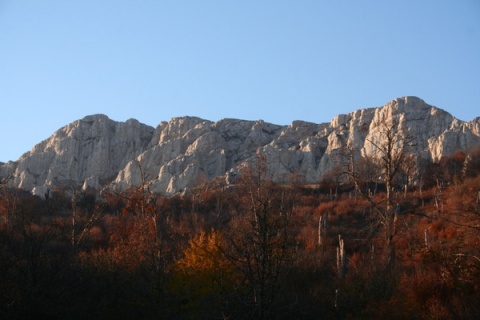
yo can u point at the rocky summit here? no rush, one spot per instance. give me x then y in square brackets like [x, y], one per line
[97, 151]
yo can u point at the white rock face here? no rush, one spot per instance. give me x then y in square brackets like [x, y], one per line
[184, 151]
[85, 153]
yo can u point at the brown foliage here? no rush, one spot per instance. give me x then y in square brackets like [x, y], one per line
[149, 257]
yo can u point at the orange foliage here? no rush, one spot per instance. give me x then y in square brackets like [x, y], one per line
[133, 243]
[308, 237]
[202, 276]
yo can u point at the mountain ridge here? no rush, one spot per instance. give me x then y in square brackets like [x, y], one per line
[96, 151]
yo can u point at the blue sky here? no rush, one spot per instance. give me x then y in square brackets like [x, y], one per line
[273, 60]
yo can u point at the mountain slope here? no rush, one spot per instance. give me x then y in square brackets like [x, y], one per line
[177, 154]
[89, 151]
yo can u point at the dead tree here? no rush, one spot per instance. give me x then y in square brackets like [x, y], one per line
[390, 152]
[260, 245]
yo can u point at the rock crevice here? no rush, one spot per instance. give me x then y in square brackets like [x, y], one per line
[175, 155]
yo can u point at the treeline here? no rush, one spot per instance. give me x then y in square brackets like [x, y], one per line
[346, 249]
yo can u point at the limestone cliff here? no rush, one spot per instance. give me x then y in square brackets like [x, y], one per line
[87, 152]
[177, 154]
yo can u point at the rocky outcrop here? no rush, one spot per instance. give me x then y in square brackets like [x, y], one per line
[178, 154]
[186, 150]
[87, 152]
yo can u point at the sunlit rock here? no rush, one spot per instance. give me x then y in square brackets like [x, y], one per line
[95, 151]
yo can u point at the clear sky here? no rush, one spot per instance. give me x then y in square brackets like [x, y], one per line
[273, 60]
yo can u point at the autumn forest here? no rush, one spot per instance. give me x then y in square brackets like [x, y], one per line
[374, 239]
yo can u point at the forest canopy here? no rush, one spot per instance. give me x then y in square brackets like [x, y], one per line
[350, 248]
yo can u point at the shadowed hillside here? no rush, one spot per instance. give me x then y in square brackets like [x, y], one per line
[353, 249]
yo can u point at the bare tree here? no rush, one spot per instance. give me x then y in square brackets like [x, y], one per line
[9, 197]
[258, 240]
[83, 219]
[390, 153]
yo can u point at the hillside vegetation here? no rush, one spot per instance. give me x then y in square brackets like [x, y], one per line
[351, 247]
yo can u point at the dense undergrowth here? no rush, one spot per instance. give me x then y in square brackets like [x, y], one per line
[253, 251]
